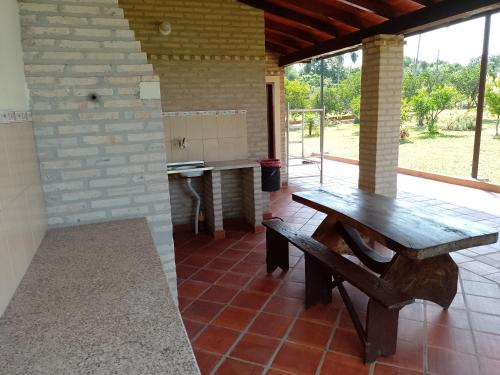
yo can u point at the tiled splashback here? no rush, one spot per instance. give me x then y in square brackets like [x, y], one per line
[210, 135]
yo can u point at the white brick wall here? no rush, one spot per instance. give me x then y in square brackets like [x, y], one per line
[100, 160]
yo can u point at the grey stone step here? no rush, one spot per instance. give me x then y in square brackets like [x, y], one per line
[75, 21]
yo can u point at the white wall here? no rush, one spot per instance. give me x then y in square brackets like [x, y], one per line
[22, 217]
[12, 82]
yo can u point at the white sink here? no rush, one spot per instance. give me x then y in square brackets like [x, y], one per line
[188, 169]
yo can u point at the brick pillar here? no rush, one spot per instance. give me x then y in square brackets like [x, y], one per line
[382, 75]
[213, 203]
[252, 197]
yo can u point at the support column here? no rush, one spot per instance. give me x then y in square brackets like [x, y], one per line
[381, 80]
[252, 198]
[213, 204]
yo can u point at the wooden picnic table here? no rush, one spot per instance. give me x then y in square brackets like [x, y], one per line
[421, 266]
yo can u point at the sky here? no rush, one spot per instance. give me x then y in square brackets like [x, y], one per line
[456, 44]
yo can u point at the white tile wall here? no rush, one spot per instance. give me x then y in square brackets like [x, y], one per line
[22, 216]
[210, 135]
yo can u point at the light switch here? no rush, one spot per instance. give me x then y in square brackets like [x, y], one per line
[150, 90]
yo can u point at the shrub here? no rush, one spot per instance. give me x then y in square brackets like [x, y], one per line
[461, 122]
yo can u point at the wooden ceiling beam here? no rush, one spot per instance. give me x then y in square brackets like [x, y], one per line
[278, 48]
[378, 7]
[329, 10]
[286, 13]
[443, 12]
[286, 40]
[283, 28]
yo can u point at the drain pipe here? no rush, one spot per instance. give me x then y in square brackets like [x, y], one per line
[198, 203]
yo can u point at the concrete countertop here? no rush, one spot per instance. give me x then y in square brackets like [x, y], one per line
[95, 301]
[232, 164]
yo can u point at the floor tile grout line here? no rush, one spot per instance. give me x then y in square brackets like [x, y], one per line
[329, 342]
[245, 330]
[425, 349]
[469, 319]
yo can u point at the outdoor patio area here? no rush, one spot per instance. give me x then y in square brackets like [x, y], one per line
[241, 320]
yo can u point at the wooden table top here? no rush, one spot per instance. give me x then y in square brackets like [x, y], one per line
[401, 226]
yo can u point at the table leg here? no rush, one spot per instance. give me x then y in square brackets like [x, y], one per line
[434, 279]
[331, 231]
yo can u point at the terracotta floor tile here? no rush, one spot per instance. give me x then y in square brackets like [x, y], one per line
[235, 280]
[243, 245]
[234, 317]
[415, 311]
[446, 362]
[309, 333]
[220, 294]
[207, 275]
[296, 275]
[324, 314]
[273, 371]
[216, 339]
[291, 289]
[284, 306]
[347, 342]
[265, 284]
[184, 302]
[297, 359]
[246, 268]
[235, 255]
[192, 327]
[234, 367]
[197, 260]
[483, 304]
[192, 289]
[488, 345]
[255, 258]
[336, 363]
[485, 323]
[255, 348]
[481, 289]
[450, 338]
[270, 325]
[206, 361]
[381, 369]
[185, 272]
[250, 300]
[202, 311]
[221, 264]
[489, 366]
[410, 330]
[451, 317]
[409, 354]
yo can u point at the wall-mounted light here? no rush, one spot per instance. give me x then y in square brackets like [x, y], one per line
[165, 28]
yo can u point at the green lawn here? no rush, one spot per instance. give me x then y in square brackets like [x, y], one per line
[449, 153]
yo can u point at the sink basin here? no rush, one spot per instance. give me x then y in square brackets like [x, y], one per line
[188, 169]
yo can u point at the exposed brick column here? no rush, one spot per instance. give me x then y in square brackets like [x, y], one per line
[382, 75]
[213, 203]
[252, 197]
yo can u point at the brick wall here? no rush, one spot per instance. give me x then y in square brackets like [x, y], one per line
[214, 59]
[100, 159]
[380, 113]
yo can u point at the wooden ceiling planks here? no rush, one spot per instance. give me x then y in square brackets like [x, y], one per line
[299, 30]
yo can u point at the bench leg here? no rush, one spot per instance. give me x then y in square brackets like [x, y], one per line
[276, 251]
[381, 331]
[434, 279]
[318, 282]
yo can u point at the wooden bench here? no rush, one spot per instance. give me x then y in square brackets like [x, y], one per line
[324, 270]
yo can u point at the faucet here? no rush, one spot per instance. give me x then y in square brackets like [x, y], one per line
[182, 143]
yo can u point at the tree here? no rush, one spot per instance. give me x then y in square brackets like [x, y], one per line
[493, 100]
[466, 80]
[429, 105]
[297, 94]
